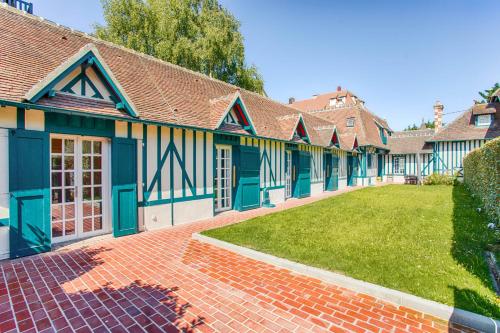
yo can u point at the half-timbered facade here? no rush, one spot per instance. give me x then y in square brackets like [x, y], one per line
[98, 139]
[441, 150]
[362, 133]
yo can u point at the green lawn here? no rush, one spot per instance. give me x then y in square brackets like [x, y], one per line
[427, 241]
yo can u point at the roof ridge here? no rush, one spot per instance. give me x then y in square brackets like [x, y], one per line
[144, 55]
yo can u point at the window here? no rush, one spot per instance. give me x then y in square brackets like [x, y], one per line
[382, 135]
[350, 122]
[333, 101]
[483, 120]
[342, 166]
[398, 165]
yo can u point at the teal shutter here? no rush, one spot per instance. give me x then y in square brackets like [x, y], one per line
[247, 178]
[328, 172]
[29, 185]
[335, 173]
[124, 183]
[303, 182]
[350, 170]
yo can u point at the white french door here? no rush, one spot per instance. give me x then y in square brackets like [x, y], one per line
[288, 174]
[223, 178]
[79, 184]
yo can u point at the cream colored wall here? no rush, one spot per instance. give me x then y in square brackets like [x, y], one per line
[8, 117]
[190, 211]
[34, 120]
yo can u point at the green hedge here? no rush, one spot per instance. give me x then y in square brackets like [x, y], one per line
[482, 176]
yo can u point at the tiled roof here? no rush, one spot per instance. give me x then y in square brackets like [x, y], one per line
[488, 108]
[463, 128]
[410, 142]
[82, 104]
[32, 49]
[321, 102]
[365, 123]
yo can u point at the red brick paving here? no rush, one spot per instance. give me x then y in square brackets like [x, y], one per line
[163, 281]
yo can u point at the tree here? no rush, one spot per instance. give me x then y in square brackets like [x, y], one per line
[197, 34]
[423, 125]
[486, 94]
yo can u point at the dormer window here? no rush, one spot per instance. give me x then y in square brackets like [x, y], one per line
[350, 122]
[333, 101]
[483, 120]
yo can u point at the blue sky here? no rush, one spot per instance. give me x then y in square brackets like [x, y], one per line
[399, 56]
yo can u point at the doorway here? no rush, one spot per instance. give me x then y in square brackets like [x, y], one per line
[79, 187]
[223, 178]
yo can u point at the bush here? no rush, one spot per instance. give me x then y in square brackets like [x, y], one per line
[438, 179]
[482, 177]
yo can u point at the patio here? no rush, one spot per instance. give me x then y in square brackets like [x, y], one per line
[164, 281]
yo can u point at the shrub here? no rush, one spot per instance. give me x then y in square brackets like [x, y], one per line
[438, 179]
[482, 177]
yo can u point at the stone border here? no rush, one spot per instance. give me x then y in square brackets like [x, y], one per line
[442, 311]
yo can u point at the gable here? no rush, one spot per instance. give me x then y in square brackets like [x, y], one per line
[84, 75]
[237, 116]
[84, 81]
[301, 131]
[335, 139]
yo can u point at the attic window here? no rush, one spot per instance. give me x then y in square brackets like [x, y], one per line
[483, 120]
[350, 122]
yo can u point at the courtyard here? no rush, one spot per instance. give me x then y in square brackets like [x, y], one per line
[165, 281]
[428, 241]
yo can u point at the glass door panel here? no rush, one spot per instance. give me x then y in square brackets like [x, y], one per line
[223, 179]
[62, 182]
[288, 174]
[92, 187]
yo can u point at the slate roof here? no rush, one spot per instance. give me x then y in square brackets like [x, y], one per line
[410, 142]
[463, 128]
[32, 48]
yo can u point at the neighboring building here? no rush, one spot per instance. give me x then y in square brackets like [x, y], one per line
[96, 138]
[362, 132]
[442, 150]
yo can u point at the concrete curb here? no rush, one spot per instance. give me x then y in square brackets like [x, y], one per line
[442, 311]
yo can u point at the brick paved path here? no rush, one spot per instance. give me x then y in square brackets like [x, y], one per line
[163, 281]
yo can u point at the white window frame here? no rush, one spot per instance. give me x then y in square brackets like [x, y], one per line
[483, 123]
[397, 166]
[350, 122]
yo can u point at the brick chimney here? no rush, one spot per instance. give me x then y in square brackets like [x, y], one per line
[438, 116]
[291, 100]
[339, 88]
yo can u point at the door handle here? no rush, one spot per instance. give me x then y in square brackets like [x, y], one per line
[234, 175]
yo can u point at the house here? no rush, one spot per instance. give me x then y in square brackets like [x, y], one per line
[362, 133]
[425, 151]
[96, 139]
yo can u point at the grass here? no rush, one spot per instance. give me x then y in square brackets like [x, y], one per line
[427, 241]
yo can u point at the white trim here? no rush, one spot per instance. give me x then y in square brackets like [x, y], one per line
[68, 63]
[230, 106]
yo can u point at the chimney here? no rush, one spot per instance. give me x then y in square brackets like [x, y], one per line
[438, 116]
[291, 100]
[339, 88]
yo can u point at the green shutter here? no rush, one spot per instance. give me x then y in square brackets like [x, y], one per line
[335, 173]
[302, 164]
[29, 184]
[124, 183]
[247, 163]
[328, 171]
